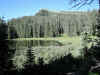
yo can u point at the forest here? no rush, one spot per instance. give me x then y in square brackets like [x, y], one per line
[52, 43]
[51, 24]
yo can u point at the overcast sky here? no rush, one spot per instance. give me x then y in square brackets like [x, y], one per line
[17, 8]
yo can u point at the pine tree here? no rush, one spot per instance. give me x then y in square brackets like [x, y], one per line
[3, 48]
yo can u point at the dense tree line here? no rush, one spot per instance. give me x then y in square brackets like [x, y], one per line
[53, 24]
[3, 48]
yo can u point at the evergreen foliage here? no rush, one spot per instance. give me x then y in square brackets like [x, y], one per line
[55, 24]
[3, 48]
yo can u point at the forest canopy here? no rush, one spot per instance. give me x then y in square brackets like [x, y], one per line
[47, 23]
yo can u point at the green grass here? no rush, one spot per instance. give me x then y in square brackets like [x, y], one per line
[91, 73]
[63, 40]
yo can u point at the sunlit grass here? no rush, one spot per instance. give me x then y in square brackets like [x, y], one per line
[63, 39]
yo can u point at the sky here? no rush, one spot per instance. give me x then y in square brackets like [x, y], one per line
[18, 8]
